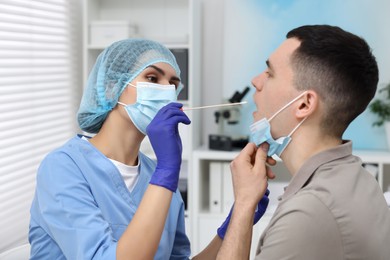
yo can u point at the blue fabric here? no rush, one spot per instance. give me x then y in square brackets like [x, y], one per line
[261, 132]
[82, 207]
[151, 98]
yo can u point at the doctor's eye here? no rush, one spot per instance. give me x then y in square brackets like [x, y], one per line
[152, 78]
[174, 82]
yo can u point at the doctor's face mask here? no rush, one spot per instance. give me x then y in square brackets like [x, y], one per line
[151, 98]
[260, 132]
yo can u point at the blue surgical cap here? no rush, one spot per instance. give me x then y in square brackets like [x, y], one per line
[115, 67]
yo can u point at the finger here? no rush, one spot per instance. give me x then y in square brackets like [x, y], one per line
[169, 111]
[175, 113]
[244, 157]
[271, 161]
[175, 105]
[180, 114]
[261, 156]
[176, 119]
[270, 174]
[169, 106]
[248, 152]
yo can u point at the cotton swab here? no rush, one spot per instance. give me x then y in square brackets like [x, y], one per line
[211, 106]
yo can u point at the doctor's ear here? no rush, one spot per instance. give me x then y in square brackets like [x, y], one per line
[309, 104]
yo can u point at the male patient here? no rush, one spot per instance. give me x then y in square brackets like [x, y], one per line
[315, 84]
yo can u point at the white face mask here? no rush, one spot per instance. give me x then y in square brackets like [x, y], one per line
[261, 132]
[151, 98]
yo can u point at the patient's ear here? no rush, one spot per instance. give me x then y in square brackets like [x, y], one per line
[308, 104]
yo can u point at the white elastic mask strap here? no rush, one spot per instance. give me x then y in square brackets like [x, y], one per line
[123, 104]
[287, 105]
[295, 129]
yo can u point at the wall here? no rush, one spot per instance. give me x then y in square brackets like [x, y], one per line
[240, 35]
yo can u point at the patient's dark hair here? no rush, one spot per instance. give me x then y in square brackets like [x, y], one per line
[340, 67]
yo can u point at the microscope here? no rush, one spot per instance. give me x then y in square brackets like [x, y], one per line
[229, 115]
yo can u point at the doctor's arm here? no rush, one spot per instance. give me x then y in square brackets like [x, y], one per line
[144, 232]
[142, 236]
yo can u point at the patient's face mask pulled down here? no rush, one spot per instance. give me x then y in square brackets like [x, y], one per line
[260, 132]
[151, 98]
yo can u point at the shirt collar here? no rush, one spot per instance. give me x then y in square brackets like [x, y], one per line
[312, 164]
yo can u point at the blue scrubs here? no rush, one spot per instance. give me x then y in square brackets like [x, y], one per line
[82, 207]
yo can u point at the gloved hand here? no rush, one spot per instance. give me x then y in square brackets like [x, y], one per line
[260, 210]
[164, 136]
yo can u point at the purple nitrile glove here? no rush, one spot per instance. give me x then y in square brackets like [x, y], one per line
[260, 210]
[164, 136]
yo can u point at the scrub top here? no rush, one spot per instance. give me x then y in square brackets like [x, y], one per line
[82, 207]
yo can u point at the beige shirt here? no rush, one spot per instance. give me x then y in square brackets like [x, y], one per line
[332, 209]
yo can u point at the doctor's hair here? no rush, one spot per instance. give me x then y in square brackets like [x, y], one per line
[340, 67]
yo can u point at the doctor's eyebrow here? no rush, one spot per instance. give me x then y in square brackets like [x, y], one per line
[159, 70]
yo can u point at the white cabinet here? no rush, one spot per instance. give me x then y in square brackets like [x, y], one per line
[174, 23]
[205, 220]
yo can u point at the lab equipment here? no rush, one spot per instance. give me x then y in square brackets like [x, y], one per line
[165, 139]
[231, 116]
[115, 67]
[151, 97]
[260, 210]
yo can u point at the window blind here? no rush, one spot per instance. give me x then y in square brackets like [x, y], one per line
[40, 85]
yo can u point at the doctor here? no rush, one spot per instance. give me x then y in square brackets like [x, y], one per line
[100, 197]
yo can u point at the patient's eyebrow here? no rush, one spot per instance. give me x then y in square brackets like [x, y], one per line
[269, 65]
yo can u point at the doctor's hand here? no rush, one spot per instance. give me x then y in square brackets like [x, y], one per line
[260, 210]
[164, 136]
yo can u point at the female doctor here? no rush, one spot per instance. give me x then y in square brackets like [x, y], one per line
[100, 197]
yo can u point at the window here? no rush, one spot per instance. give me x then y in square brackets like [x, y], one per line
[40, 85]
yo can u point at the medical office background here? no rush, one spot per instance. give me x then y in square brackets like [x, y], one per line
[44, 61]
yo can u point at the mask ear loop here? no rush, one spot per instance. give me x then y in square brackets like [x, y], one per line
[295, 129]
[121, 103]
[285, 106]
